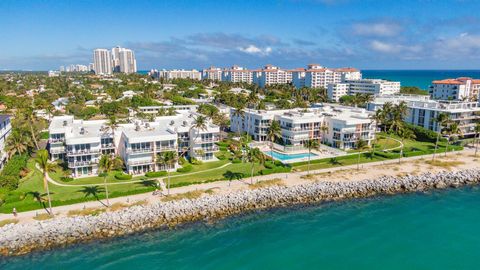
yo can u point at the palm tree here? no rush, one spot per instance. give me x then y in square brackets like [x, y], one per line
[442, 120]
[273, 132]
[398, 115]
[453, 131]
[310, 144]
[240, 114]
[32, 119]
[222, 121]
[405, 133]
[254, 155]
[477, 135]
[323, 129]
[361, 144]
[107, 164]
[380, 117]
[113, 125]
[167, 159]
[17, 144]
[46, 167]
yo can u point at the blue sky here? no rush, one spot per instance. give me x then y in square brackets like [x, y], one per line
[416, 34]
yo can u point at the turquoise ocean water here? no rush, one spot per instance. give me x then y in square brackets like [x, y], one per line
[437, 230]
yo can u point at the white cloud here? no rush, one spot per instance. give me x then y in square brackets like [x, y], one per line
[252, 49]
[383, 29]
[391, 48]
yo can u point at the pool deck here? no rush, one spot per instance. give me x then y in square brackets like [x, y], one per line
[316, 154]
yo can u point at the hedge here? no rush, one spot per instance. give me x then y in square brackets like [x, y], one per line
[423, 134]
[236, 160]
[275, 170]
[156, 174]
[185, 168]
[122, 176]
[10, 174]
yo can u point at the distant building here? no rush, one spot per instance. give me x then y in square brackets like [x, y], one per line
[53, 73]
[102, 62]
[316, 76]
[176, 74]
[237, 74]
[362, 86]
[212, 73]
[270, 74]
[463, 88]
[124, 60]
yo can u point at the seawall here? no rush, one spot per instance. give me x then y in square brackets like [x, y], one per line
[17, 239]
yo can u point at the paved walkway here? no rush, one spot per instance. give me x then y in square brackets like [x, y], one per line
[293, 178]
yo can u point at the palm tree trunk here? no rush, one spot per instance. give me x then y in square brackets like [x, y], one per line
[446, 147]
[251, 179]
[401, 154]
[106, 189]
[34, 138]
[436, 146]
[308, 167]
[476, 144]
[48, 195]
[168, 184]
[358, 161]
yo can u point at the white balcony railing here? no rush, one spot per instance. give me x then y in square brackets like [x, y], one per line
[57, 140]
[81, 163]
[83, 152]
[139, 150]
[57, 150]
[139, 162]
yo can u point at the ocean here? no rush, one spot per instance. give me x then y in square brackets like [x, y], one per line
[419, 78]
[435, 230]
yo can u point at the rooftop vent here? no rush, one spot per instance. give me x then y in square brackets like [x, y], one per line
[184, 123]
[64, 123]
[137, 127]
[82, 130]
[172, 123]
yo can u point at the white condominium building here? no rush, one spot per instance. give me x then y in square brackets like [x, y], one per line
[237, 74]
[338, 126]
[316, 76]
[456, 89]
[212, 73]
[5, 129]
[81, 143]
[127, 61]
[362, 86]
[176, 74]
[423, 111]
[271, 75]
[102, 62]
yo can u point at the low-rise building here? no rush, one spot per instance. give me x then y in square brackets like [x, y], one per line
[337, 126]
[81, 143]
[270, 75]
[176, 74]
[5, 129]
[463, 88]
[423, 111]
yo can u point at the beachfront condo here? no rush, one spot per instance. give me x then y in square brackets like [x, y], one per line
[376, 87]
[456, 89]
[5, 129]
[338, 126]
[80, 143]
[423, 111]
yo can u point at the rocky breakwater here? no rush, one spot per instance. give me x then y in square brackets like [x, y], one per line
[16, 239]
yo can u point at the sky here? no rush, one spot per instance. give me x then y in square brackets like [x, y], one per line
[366, 34]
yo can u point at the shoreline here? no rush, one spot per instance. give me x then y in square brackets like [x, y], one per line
[18, 239]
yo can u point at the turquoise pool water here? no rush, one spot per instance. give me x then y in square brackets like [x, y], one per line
[284, 157]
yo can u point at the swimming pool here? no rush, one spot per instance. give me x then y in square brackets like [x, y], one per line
[285, 157]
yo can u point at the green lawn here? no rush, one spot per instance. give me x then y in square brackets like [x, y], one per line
[24, 197]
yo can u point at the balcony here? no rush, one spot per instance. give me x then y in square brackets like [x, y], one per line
[83, 152]
[139, 162]
[209, 149]
[81, 163]
[206, 140]
[57, 150]
[166, 148]
[139, 150]
[107, 146]
[57, 140]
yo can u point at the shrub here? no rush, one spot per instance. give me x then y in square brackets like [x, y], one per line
[156, 174]
[11, 172]
[195, 161]
[221, 156]
[236, 160]
[269, 165]
[122, 176]
[423, 134]
[185, 168]
[66, 179]
[278, 163]
[182, 160]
